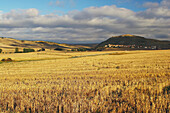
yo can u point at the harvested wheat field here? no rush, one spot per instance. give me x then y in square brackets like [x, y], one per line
[123, 81]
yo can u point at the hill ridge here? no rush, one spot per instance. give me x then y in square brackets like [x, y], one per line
[12, 43]
[136, 41]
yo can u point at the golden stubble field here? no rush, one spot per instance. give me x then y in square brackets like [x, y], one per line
[122, 81]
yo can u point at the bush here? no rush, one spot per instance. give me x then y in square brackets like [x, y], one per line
[7, 60]
[73, 49]
[28, 50]
[0, 50]
[59, 49]
[42, 49]
[99, 48]
[16, 50]
[3, 60]
[81, 49]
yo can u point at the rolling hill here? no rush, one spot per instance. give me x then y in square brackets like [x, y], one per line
[8, 44]
[132, 41]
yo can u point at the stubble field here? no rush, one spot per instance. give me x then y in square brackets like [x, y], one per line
[123, 81]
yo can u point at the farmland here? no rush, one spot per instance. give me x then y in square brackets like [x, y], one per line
[109, 81]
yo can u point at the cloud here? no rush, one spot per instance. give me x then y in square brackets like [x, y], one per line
[165, 3]
[156, 10]
[105, 11]
[151, 4]
[164, 36]
[93, 24]
[20, 14]
[159, 12]
[32, 12]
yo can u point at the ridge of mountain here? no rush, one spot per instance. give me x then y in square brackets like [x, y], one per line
[136, 41]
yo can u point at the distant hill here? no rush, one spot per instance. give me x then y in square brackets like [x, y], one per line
[11, 44]
[132, 41]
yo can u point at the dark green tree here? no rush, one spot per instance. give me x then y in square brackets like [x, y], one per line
[42, 49]
[59, 49]
[0, 50]
[28, 50]
[16, 50]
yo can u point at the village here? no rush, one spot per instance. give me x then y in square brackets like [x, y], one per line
[130, 46]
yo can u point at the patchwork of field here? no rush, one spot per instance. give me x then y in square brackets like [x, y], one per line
[110, 81]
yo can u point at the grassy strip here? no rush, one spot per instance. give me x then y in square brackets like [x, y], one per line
[38, 59]
[115, 53]
[53, 54]
[31, 60]
[122, 53]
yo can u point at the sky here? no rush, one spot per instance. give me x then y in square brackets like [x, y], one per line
[84, 21]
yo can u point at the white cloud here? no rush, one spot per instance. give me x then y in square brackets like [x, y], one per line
[93, 24]
[32, 12]
[159, 12]
[156, 10]
[105, 11]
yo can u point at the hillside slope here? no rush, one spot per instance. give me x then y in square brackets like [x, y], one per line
[10, 43]
[135, 40]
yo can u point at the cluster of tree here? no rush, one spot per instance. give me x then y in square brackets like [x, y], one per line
[24, 50]
[17, 50]
[28, 50]
[0, 50]
[99, 48]
[59, 49]
[81, 49]
[42, 49]
[7, 60]
[75, 49]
